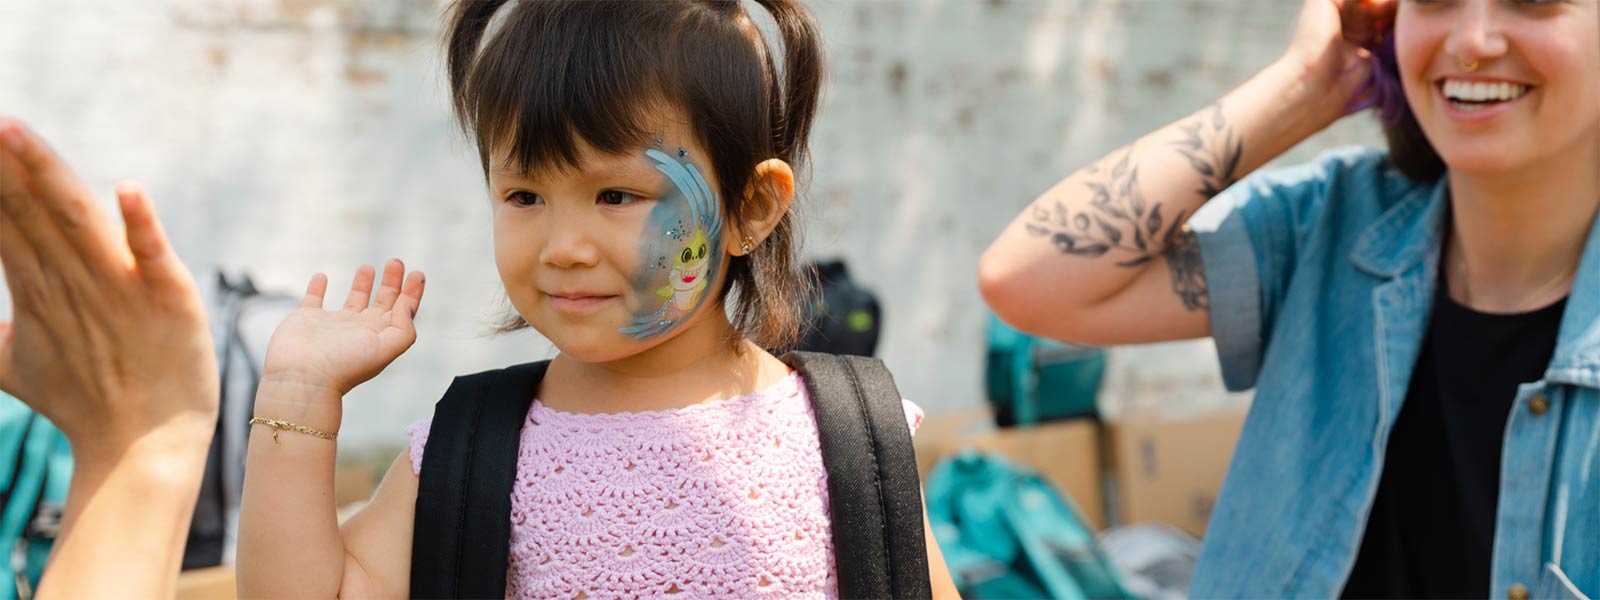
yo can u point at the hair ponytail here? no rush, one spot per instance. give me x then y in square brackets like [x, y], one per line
[469, 21]
[796, 99]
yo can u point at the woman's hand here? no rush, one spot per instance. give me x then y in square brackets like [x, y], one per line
[1330, 42]
[109, 341]
[109, 337]
[340, 349]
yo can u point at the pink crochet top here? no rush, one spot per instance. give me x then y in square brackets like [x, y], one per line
[726, 498]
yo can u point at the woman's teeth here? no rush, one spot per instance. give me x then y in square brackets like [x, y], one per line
[1474, 95]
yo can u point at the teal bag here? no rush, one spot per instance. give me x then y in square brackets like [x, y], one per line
[1032, 380]
[35, 469]
[1006, 533]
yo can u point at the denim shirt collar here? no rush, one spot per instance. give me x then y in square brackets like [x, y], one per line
[1410, 231]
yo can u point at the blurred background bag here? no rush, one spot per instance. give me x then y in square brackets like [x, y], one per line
[242, 321]
[1006, 533]
[1033, 380]
[844, 318]
[35, 468]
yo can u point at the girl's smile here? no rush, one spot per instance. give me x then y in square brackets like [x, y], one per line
[578, 303]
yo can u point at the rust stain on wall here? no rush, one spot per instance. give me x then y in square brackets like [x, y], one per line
[364, 76]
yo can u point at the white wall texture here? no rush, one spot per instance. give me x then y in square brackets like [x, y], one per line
[284, 137]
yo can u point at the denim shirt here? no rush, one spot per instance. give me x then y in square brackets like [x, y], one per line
[1322, 280]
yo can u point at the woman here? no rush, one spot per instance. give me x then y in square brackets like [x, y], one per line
[1422, 326]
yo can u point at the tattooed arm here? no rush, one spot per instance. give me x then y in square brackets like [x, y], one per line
[1104, 257]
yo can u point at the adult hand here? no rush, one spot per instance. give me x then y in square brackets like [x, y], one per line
[1331, 40]
[109, 337]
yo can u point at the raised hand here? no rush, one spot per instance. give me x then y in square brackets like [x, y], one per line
[1331, 41]
[109, 337]
[109, 341]
[337, 350]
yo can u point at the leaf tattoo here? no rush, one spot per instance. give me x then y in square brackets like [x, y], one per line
[1188, 273]
[1119, 217]
[1213, 149]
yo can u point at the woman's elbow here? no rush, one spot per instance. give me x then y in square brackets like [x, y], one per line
[1007, 291]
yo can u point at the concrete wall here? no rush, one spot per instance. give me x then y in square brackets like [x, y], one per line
[283, 137]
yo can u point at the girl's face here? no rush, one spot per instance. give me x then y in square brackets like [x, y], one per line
[618, 255]
[1498, 84]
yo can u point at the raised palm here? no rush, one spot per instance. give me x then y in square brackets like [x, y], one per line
[340, 349]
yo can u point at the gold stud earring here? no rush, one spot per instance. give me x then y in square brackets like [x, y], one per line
[745, 246]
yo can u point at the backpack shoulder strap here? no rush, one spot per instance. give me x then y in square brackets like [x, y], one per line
[462, 528]
[874, 494]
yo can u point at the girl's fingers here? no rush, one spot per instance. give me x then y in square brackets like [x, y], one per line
[146, 238]
[360, 289]
[389, 291]
[314, 291]
[405, 309]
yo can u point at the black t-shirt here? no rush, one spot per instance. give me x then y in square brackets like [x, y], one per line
[1431, 530]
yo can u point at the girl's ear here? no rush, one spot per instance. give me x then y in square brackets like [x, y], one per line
[767, 199]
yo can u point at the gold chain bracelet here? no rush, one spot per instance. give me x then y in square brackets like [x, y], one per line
[278, 425]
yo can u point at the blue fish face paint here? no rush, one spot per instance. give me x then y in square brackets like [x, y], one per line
[681, 251]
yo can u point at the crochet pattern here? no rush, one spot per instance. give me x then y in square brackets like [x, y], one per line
[726, 498]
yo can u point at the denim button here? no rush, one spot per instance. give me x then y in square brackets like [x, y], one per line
[1538, 404]
[1517, 592]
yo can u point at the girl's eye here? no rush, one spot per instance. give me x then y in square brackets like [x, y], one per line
[617, 198]
[522, 198]
[687, 255]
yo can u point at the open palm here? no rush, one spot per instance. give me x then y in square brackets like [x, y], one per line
[340, 349]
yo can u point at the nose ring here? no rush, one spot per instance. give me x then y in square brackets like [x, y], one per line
[1469, 66]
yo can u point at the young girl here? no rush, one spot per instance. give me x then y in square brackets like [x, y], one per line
[640, 162]
[1422, 325]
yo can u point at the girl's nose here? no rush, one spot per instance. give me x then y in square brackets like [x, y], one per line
[568, 246]
[1476, 35]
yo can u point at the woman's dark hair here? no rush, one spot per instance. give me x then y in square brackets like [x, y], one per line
[554, 73]
[1409, 149]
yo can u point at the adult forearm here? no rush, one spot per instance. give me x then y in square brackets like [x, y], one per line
[1094, 232]
[127, 517]
[289, 541]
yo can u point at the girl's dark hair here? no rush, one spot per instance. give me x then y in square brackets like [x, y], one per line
[1409, 149]
[555, 73]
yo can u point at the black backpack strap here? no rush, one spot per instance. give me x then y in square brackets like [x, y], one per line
[463, 523]
[874, 494]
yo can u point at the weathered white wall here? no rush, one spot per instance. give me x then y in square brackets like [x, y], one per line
[284, 137]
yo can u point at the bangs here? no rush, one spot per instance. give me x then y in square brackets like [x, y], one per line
[557, 75]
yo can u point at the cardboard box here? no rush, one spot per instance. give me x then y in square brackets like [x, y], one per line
[352, 483]
[937, 432]
[212, 583]
[1065, 453]
[1169, 471]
